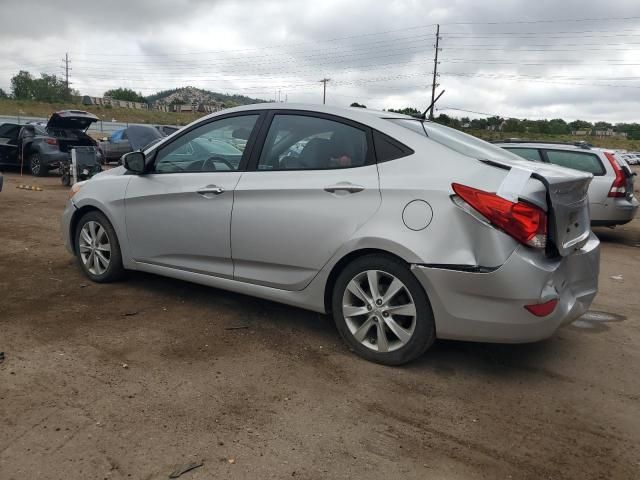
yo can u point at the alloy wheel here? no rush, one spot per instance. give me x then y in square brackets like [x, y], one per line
[95, 248]
[379, 311]
[35, 164]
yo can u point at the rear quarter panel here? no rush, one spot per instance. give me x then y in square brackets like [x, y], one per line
[451, 236]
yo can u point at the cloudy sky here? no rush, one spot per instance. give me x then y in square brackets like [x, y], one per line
[525, 59]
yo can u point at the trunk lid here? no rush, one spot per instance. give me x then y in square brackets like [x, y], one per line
[567, 202]
[628, 175]
[71, 120]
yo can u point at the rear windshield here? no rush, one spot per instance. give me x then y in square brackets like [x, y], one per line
[456, 140]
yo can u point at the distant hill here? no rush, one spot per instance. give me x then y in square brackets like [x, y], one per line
[193, 94]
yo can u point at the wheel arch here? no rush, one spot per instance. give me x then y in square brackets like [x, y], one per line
[77, 215]
[346, 260]
[27, 148]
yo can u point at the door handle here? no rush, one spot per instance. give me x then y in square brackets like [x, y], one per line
[211, 189]
[344, 187]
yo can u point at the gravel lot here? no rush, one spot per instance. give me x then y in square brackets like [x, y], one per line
[130, 380]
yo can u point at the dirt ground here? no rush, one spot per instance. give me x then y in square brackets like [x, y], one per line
[130, 380]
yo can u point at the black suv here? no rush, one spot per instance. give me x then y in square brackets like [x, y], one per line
[44, 147]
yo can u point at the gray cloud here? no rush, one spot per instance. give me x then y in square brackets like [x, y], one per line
[375, 53]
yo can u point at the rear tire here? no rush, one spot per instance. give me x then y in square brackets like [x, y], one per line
[97, 248]
[390, 323]
[35, 165]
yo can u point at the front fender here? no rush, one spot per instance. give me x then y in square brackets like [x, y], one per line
[107, 194]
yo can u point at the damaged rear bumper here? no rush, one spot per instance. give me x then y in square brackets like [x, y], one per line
[489, 306]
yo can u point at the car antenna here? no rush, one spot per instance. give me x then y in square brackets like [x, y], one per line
[424, 114]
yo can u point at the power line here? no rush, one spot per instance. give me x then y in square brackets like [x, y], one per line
[551, 20]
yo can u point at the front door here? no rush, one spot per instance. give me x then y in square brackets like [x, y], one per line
[179, 214]
[315, 184]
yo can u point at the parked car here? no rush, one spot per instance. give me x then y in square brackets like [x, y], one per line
[632, 158]
[611, 198]
[43, 148]
[134, 137]
[390, 223]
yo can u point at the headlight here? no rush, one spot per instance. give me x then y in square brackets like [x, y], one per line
[75, 188]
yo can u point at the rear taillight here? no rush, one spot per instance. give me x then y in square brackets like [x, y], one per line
[619, 185]
[543, 309]
[523, 221]
[51, 141]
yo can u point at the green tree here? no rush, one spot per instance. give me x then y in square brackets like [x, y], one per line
[407, 111]
[125, 94]
[558, 126]
[479, 124]
[356, 104]
[22, 86]
[580, 125]
[3, 94]
[47, 88]
[602, 125]
[513, 125]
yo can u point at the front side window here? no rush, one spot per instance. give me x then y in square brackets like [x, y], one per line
[298, 142]
[215, 146]
[532, 154]
[583, 161]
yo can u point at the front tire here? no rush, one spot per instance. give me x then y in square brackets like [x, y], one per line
[98, 249]
[35, 165]
[381, 310]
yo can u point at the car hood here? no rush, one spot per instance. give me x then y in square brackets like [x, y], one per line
[72, 119]
[142, 135]
[112, 172]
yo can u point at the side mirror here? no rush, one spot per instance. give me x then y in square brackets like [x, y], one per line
[134, 162]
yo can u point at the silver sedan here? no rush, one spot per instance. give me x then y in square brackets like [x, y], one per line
[404, 230]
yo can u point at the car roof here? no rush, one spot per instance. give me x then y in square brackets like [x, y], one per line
[354, 113]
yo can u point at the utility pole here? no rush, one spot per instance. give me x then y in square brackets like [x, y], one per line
[435, 74]
[324, 89]
[66, 72]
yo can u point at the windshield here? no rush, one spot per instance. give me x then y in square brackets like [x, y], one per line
[456, 140]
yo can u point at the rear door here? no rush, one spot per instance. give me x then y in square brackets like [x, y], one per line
[179, 214]
[310, 187]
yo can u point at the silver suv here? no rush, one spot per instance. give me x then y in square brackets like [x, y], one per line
[611, 199]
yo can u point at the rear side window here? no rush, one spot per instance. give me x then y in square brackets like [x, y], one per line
[532, 154]
[389, 149]
[583, 161]
[300, 142]
[456, 140]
